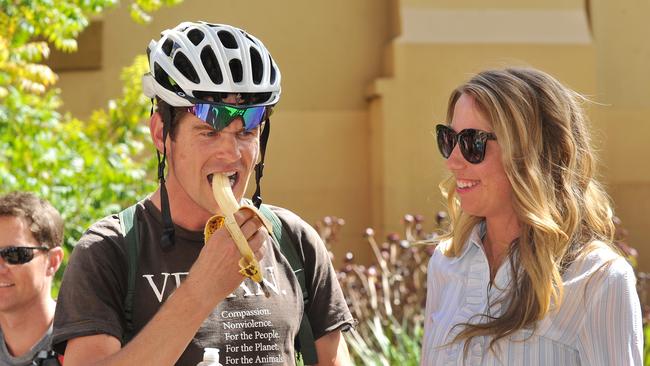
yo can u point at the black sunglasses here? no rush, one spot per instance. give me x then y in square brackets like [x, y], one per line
[19, 255]
[472, 142]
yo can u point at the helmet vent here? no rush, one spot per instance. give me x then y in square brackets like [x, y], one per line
[256, 66]
[211, 65]
[272, 79]
[227, 39]
[250, 38]
[184, 65]
[236, 70]
[162, 77]
[167, 47]
[196, 36]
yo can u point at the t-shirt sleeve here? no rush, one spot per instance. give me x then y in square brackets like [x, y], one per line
[93, 287]
[327, 309]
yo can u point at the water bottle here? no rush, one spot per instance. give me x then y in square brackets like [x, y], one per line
[210, 357]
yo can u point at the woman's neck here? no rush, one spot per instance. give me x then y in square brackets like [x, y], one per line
[500, 233]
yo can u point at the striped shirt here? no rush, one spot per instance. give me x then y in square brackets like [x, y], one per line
[598, 322]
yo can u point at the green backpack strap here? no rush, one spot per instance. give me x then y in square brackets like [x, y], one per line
[304, 342]
[129, 226]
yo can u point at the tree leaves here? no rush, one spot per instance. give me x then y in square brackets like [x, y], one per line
[86, 169]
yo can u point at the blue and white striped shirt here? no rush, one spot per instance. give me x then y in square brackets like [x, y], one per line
[598, 322]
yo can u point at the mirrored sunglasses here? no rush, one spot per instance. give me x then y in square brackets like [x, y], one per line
[220, 115]
[472, 142]
[19, 255]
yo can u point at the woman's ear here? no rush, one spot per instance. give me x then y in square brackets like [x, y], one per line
[156, 130]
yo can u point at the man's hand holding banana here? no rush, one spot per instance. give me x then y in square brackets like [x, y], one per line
[249, 266]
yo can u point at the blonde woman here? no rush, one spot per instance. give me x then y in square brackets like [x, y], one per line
[528, 274]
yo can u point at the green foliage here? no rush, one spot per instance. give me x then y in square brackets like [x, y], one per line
[59, 22]
[646, 345]
[390, 343]
[26, 25]
[140, 9]
[86, 169]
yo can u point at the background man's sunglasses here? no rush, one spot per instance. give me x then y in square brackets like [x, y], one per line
[472, 142]
[220, 115]
[19, 255]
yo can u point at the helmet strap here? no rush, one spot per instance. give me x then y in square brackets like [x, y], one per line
[167, 238]
[259, 167]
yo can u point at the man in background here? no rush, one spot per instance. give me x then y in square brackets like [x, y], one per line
[31, 234]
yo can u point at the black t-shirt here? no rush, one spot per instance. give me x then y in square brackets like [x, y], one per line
[246, 328]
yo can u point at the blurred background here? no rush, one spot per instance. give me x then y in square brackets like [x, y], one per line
[364, 82]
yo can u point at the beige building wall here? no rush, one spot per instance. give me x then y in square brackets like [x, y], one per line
[623, 89]
[364, 82]
[440, 46]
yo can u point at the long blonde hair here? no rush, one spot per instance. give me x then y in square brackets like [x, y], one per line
[563, 210]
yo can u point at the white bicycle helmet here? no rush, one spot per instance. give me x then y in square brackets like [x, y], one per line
[198, 58]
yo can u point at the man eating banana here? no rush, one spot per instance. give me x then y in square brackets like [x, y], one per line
[187, 276]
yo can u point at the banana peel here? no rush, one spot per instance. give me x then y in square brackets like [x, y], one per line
[249, 266]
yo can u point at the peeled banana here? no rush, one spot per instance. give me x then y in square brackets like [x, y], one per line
[222, 192]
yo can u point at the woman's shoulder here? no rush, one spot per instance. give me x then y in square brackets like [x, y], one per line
[600, 263]
[599, 253]
[440, 254]
[442, 259]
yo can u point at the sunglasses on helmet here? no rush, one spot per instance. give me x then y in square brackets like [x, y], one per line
[220, 115]
[472, 142]
[19, 255]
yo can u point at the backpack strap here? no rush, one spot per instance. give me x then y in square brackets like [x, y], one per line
[47, 358]
[304, 343]
[129, 226]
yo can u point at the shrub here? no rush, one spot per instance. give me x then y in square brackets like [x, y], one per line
[387, 298]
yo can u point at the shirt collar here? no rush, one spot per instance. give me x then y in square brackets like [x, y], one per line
[475, 238]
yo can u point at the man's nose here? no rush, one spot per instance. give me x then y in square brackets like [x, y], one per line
[227, 146]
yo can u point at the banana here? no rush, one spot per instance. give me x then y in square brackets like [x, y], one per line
[222, 192]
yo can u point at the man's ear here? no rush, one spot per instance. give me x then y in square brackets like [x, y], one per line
[156, 130]
[258, 157]
[55, 257]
